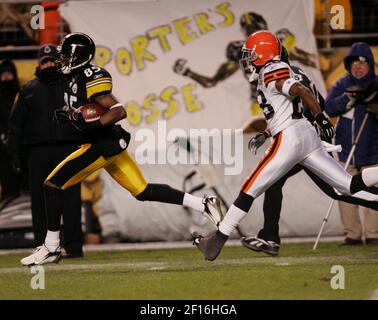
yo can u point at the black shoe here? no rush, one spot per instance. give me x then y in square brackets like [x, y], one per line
[210, 245]
[371, 241]
[351, 242]
[260, 245]
[73, 255]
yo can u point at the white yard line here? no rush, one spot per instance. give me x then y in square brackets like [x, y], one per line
[156, 266]
[167, 245]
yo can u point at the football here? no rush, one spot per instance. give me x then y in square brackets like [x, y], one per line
[92, 111]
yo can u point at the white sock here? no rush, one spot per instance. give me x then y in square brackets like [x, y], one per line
[52, 240]
[370, 176]
[232, 218]
[193, 202]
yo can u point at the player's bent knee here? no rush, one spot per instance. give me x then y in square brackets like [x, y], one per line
[357, 184]
[145, 194]
[244, 201]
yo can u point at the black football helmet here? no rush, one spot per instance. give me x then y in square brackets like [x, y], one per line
[251, 22]
[76, 51]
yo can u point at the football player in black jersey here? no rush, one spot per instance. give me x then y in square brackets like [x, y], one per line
[104, 146]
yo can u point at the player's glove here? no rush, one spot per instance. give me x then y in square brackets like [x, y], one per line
[61, 116]
[180, 67]
[76, 119]
[257, 141]
[326, 127]
[81, 125]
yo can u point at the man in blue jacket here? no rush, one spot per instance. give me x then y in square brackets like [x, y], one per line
[359, 63]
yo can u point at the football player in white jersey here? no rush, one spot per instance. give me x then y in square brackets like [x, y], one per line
[295, 140]
[268, 239]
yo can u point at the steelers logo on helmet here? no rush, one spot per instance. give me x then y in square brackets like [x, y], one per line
[46, 49]
[122, 143]
[76, 51]
[251, 22]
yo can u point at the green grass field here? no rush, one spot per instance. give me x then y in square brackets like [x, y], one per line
[238, 273]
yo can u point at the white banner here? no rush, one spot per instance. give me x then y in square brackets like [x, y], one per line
[139, 42]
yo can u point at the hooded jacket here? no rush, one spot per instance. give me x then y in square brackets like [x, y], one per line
[8, 92]
[366, 152]
[32, 118]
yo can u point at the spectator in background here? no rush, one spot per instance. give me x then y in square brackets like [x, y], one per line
[360, 66]
[9, 87]
[32, 125]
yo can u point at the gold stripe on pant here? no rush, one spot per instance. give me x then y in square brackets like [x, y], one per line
[121, 167]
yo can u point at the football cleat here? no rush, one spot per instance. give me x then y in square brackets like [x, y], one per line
[213, 209]
[260, 245]
[210, 245]
[42, 255]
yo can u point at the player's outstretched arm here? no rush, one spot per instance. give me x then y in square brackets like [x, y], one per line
[297, 89]
[224, 71]
[115, 112]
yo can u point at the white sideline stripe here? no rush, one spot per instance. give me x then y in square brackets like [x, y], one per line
[374, 295]
[168, 245]
[155, 266]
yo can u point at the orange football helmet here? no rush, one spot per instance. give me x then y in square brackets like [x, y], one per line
[259, 48]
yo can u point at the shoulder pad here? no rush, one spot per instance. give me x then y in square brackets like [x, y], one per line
[275, 70]
[301, 76]
[97, 81]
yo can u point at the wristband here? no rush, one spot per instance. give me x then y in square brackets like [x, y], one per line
[287, 85]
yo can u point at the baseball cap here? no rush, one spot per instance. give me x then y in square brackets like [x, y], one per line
[47, 51]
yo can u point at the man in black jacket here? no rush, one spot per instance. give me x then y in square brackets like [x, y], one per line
[32, 125]
[9, 87]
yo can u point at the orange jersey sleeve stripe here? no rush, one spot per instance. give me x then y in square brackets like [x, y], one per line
[263, 163]
[273, 75]
[275, 71]
[283, 76]
[280, 73]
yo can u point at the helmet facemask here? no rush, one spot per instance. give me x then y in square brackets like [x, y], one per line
[75, 52]
[246, 62]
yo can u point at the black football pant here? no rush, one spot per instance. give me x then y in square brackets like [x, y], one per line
[273, 202]
[121, 167]
[42, 160]
[9, 180]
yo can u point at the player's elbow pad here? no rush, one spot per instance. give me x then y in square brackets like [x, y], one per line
[287, 85]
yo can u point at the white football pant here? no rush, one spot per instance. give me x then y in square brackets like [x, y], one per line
[300, 143]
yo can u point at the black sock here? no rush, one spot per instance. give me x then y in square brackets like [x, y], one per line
[358, 184]
[161, 193]
[244, 201]
[54, 207]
